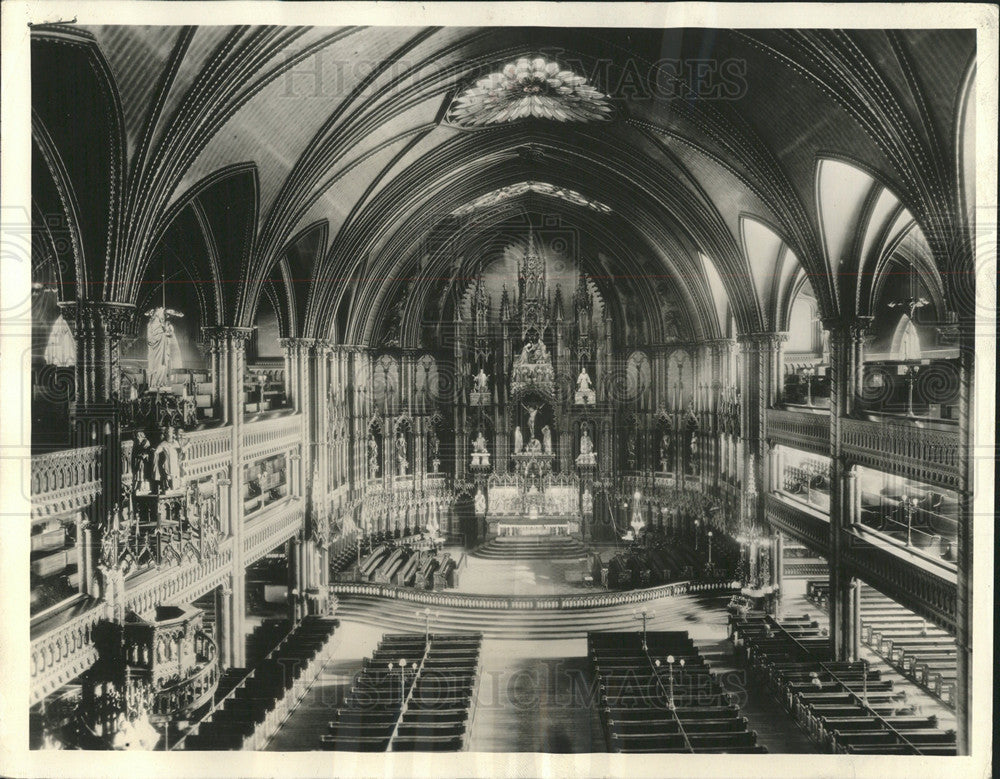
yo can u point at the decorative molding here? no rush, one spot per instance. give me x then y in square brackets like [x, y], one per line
[181, 583]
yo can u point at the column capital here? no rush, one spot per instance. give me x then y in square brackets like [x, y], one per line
[291, 343]
[116, 319]
[324, 347]
[235, 335]
[861, 328]
[763, 339]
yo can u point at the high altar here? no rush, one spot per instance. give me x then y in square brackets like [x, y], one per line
[533, 407]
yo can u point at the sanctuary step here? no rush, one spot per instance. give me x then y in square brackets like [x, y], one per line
[532, 548]
[529, 623]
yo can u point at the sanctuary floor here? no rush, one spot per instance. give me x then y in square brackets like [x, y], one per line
[525, 577]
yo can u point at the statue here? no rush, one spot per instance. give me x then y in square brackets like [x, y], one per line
[142, 463]
[480, 454]
[167, 462]
[584, 389]
[163, 351]
[372, 456]
[547, 440]
[481, 381]
[401, 453]
[665, 446]
[435, 451]
[587, 502]
[60, 349]
[587, 455]
[518, 440]
[480, 501]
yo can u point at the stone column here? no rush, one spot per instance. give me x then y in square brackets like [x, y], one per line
[292, 558]
[224, 623]
[841, 601]
[760, 353]
[964, 596]
[859, 334]
[97, 328]
[778, 572]
[86, 552]
[856, 626]
[232, 343]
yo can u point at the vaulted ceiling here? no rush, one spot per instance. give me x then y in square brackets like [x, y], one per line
[326, 162]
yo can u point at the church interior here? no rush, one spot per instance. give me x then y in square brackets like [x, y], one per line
[509, 389]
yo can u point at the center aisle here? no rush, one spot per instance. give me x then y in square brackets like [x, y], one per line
[536, 696]
[304, 726]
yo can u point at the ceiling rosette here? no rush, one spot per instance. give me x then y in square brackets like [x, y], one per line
[529, 87]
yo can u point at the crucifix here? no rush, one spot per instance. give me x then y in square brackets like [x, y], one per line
[532, 413]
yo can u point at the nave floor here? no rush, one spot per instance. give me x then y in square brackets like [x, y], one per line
[537, 696]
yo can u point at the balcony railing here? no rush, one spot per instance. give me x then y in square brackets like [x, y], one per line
[59, 656]
[804, 524]
[207, 451]
[902, 448]
[800, 429]
[64, 481]
[271, 436]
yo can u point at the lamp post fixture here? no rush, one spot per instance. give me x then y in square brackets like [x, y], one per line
[809, 373]
[697, 524]
[908, 505]
[643, 616]
[402, 679]
[427, 623]
[670, 663]
[709, 547]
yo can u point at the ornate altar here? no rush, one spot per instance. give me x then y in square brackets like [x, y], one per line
[533, 368]
[534, 504]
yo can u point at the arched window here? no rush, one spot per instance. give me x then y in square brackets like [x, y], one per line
[905, 341]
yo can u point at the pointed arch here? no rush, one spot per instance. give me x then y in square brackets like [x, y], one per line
[905, 340]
